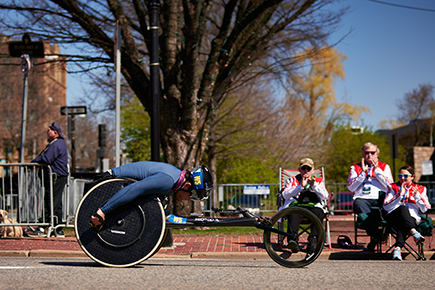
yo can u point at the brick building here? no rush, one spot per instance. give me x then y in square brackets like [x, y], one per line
[416, 138]
[46, 94]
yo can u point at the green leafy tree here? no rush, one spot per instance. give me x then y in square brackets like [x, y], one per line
[135, 132]
[207, 48]
[247, 170]
[344, 149]
[312, 109]
[241, 127]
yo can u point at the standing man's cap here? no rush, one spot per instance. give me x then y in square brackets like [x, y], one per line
[58, 128]
[307, 161]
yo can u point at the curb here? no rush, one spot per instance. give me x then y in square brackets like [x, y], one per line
[57, 254]
[42, 253]
[351, 255]
[13, 253]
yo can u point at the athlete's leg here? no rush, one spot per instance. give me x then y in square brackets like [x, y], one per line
[160, 183]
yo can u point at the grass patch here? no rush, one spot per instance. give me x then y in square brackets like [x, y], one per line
[69, 232]
[199, 231]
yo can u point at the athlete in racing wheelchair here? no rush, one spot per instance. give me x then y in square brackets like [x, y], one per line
[154, 178]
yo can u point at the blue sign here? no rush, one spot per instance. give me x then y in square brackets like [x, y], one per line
[256, 189]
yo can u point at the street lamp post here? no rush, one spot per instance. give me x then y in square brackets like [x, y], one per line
[155, 79]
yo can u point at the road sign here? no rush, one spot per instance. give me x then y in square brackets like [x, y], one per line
[427, 168]
[26, 46]
[73, 110]
[256, 189]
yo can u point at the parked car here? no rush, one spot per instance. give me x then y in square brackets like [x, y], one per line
[250, 202]
[344, 203]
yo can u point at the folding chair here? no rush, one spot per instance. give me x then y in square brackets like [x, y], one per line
[374, 217]
[418, 253]
[357, 229]
[285, 174]
[425, 228]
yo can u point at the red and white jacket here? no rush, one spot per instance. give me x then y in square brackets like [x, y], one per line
[377, 180]
[293, 188]
[395, 197]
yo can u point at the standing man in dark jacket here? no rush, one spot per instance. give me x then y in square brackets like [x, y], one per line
[56, 156]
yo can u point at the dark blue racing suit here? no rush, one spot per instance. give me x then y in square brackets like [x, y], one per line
[153, 178]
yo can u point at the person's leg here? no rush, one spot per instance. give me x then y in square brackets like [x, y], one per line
[160, 183]
[313, 236]
[293, 223]
[361, 205]
[402, 222]
[156, 184]
[321, 215]
[58, 189]
[409, 224]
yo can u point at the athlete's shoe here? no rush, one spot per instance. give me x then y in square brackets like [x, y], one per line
[418, 238]
[293, 245]
[397, 254]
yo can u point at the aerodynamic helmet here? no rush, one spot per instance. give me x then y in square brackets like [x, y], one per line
[202, 182]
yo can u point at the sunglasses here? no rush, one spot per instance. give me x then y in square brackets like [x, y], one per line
[307, 168]
[369, 152]
[404, 175]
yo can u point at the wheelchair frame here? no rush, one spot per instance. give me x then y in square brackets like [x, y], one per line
[135, 232]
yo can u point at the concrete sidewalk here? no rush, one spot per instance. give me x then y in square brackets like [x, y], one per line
[200, 246]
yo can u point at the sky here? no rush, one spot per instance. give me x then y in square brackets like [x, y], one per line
[390, 52]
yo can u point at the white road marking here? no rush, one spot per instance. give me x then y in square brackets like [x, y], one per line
[23, 267]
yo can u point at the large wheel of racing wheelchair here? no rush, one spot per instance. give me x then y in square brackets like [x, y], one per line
[278, 247]
[132, 233]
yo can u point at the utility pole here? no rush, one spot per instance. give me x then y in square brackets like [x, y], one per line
[155, 91]
[155, 80]
[25, 68]
[25, 49]
[118, 95]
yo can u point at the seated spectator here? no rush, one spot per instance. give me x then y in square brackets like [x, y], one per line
[305, 190]
[366, 180]
[403, 202]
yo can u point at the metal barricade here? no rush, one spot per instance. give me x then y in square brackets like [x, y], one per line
[22, 195]
[342, 199]
[72, 195]
[230, 196]
[233, 195]
[23, 192]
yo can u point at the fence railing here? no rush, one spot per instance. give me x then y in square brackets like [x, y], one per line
[233, 195]
[256, 197]
[23, 191]
[22, 195]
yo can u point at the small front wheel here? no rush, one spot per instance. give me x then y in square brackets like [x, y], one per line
[304, 245]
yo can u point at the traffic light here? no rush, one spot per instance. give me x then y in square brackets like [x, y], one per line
[102, 135]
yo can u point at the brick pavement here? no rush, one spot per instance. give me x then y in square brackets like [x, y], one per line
[191, 245]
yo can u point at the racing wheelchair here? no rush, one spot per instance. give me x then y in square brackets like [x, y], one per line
[135, 232]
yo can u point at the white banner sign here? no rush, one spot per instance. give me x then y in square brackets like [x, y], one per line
[427, 167]
[256, 189]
